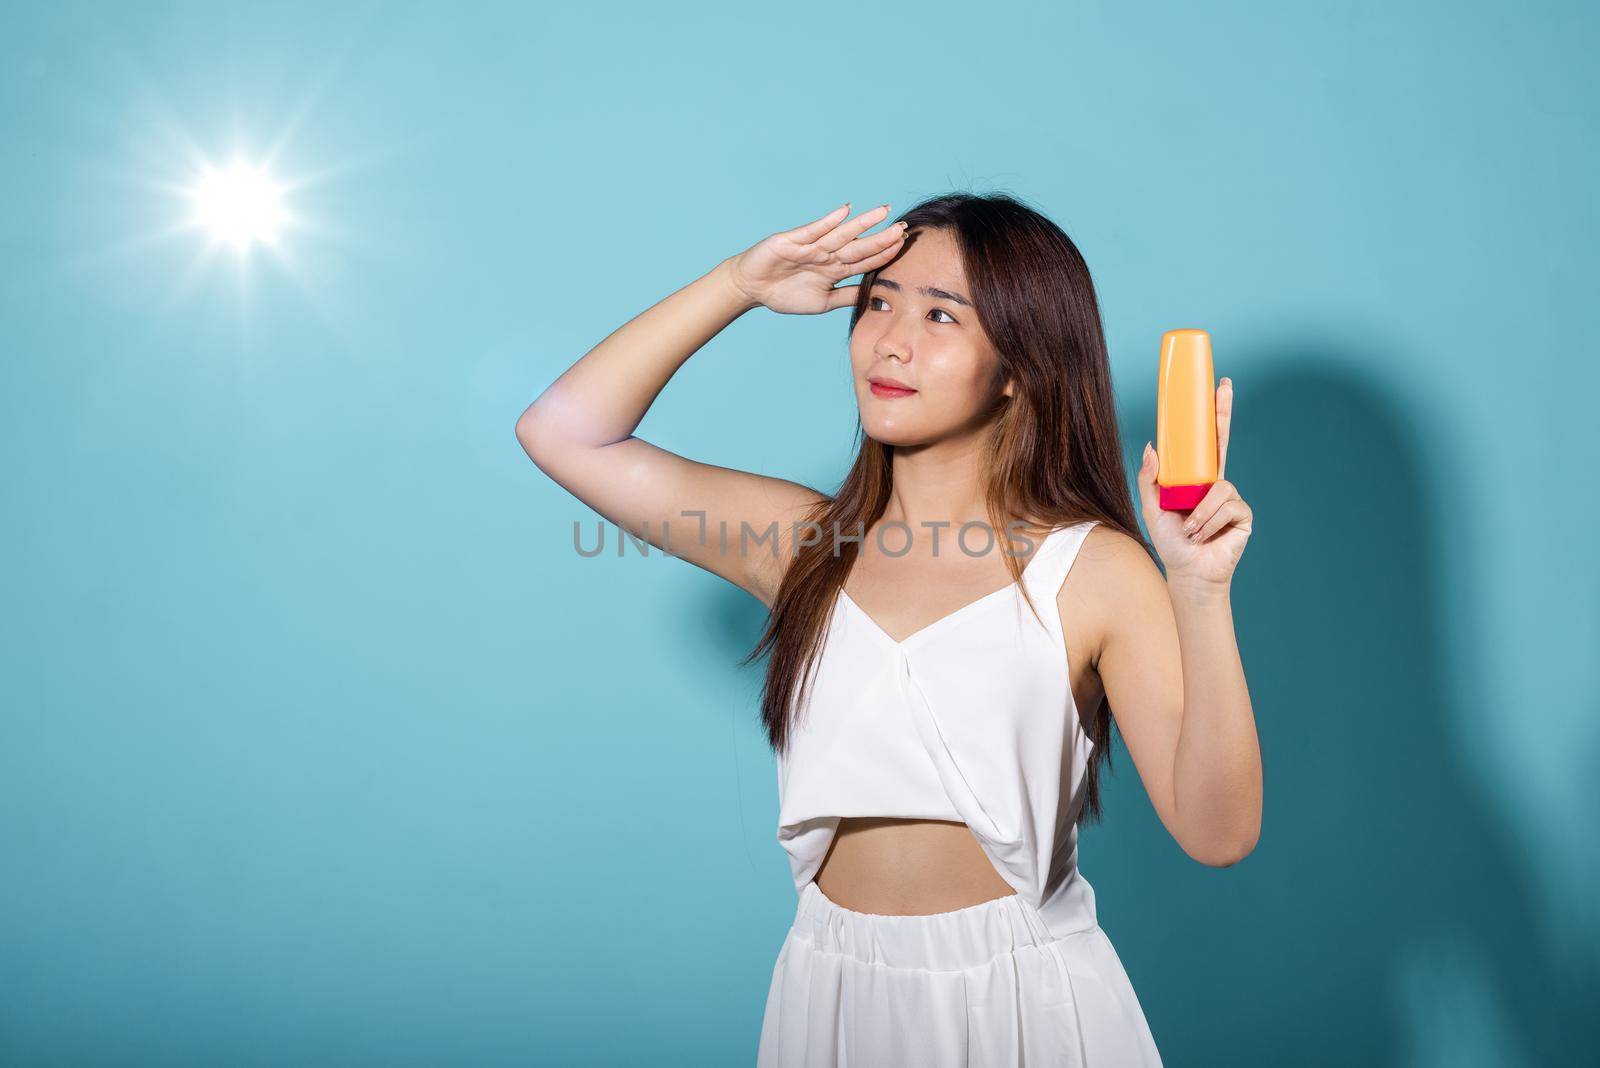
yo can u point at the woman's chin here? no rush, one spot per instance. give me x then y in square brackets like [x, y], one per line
[890, 434]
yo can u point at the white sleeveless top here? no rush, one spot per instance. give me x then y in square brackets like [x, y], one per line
[970, 719]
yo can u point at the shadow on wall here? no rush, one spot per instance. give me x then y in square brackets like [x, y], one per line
[1385, 916]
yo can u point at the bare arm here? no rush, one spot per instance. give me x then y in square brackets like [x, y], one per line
[580, 430]
[1171, 668]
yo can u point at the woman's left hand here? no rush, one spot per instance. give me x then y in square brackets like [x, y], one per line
[1220, 523]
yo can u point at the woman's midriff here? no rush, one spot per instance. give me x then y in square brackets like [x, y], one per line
[899, 867]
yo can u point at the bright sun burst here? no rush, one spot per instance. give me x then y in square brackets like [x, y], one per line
[239, 204]
[238, 192]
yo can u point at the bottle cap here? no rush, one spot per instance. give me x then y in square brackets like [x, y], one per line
[1182, 498]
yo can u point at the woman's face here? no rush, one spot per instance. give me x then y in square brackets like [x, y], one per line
[920, 329]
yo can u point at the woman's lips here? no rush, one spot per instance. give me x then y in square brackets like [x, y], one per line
[889, 392]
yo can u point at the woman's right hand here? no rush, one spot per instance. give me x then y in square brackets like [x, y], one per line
[794, 271]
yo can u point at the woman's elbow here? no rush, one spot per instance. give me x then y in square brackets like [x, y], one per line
[525, 425]
[1225, 854]
[535, 433]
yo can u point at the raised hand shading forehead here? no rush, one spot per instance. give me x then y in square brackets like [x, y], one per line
[927, 291]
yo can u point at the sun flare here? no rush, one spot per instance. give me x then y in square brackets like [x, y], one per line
[239, 204]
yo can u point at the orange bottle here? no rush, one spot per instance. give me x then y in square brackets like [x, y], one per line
[1186, 420]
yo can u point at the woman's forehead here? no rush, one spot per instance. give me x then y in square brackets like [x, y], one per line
[932, 269]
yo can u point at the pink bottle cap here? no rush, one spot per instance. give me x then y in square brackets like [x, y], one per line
[1182, 498]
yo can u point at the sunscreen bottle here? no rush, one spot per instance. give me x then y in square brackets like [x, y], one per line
[1186, 420]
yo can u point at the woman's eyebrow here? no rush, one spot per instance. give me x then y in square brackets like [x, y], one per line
[928, 291]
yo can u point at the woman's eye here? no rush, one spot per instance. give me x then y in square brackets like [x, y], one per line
[872, 305]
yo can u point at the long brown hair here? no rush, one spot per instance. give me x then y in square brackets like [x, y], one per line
[1054, 453]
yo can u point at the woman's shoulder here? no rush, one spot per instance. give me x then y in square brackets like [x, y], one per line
[791, 512]
[1113, 558]
[1112, 578]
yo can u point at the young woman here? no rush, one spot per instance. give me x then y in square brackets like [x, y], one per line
[940, 701]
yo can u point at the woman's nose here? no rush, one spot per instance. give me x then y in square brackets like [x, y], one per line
[894, 341]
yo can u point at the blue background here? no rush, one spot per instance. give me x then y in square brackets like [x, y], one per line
[321, 744]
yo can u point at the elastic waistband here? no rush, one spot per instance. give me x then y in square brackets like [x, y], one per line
[939, 941]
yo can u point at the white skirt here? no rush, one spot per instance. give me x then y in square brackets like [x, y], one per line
[983, 985]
